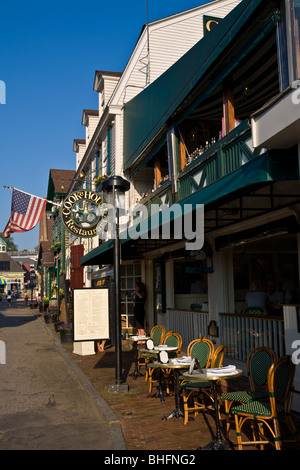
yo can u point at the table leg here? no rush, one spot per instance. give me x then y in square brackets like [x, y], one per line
[136, 372]
[218, 443]
[161, 393]
[178, 412]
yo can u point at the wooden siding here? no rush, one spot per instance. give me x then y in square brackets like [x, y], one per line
[169, 39]
[90, 128]
[80, 154]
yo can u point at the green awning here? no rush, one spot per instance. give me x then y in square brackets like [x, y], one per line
[147, 113]
[269, 167]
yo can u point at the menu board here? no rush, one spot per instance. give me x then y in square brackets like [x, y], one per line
[91, 314]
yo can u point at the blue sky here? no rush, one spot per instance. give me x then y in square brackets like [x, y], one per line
[48, 56]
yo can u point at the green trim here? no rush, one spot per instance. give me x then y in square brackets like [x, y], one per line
[147, 113]
[263, 169]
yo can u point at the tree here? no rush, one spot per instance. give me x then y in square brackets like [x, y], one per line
[10, 243]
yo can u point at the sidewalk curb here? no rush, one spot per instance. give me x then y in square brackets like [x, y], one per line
[115, 426]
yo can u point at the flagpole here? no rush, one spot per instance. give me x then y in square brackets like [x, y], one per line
[51, 202]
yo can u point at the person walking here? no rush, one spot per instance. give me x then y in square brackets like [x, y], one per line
[8, 298]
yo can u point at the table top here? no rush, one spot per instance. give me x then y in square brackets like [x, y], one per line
[208, 375]
[172, 364]
[158, 349]
[138, 338]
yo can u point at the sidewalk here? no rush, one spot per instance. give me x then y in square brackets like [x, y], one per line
[140, 416]
[46, 402]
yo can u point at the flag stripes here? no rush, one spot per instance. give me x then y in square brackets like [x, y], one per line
[26, 212]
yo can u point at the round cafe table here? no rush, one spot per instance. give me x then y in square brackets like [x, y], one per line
[135, 340]
[176, 366]
[161, 392]
[218, 443]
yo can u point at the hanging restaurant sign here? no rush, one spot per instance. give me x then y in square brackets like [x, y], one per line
[81, 212]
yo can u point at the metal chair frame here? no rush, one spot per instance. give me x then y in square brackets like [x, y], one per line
[191, 390]
[257, 370]
[145, 358]
[267, 413]
[170, 339]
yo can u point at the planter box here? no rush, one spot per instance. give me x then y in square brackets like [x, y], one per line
[66, 336]
[57, 325]
[50, 318]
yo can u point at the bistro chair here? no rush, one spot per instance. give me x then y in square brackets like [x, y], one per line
[156, 334]
[172, 339]
[259, 361]
[202, 349]
[267, 413]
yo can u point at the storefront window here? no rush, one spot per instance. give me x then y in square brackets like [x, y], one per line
[288, 43]
[190, 284]
[130, 275]
[296, 21]
[264, 261]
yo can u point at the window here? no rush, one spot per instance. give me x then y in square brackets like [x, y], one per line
[130, 275]
[296, 35]
[4, 265]
[108, 161]
[288, 43]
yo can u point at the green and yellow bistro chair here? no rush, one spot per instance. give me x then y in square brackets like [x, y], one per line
[266, 414]
[172, 339]
[157, 335]
[202, 349]
[259, 361]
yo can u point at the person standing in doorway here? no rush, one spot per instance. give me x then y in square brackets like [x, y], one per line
[139, 295]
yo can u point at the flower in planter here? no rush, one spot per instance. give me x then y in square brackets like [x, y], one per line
[66, 326]
[99, 179]
[51, 311]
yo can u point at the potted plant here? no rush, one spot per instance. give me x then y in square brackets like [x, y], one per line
[51, 315]
[46, 303]
[66, 332]
[99, 179]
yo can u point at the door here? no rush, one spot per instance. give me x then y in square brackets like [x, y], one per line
[76, 269]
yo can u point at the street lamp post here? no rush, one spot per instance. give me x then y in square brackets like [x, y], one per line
[114, 189]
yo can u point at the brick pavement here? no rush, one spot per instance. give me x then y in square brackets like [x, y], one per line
[141, 417]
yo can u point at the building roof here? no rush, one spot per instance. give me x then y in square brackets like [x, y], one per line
[2, 241]
[14, 266]
[166, 95]
[59, 182]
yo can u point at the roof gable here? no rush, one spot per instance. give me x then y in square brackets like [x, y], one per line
[168, 92]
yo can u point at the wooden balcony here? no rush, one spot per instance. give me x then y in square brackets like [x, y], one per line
[222, 158]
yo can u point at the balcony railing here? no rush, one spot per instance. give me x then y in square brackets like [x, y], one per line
[222, 158]
[239, 333]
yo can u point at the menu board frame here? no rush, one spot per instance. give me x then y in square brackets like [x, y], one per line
[91, 314]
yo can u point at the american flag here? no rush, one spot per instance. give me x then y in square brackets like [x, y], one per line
[26, 212]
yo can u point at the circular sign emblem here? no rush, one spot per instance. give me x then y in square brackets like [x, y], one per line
[81, 213]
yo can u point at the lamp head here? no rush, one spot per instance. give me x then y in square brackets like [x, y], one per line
[116, 183]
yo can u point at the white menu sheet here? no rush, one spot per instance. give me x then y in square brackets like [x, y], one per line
[91, 314]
